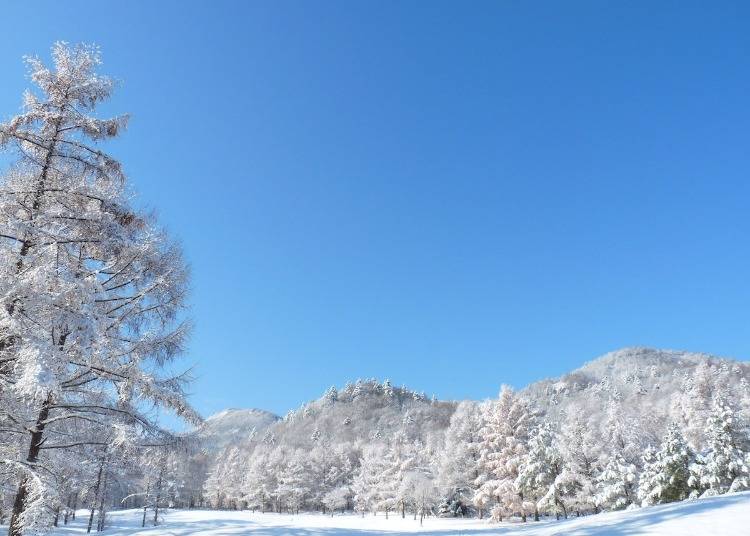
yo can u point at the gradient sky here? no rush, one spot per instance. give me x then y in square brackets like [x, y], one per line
[453, 195]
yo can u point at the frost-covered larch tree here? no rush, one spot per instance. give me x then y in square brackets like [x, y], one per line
[581, 450]
[457, 462]
[367, 479]
[401, 457]
[91, 291]
[505, 434]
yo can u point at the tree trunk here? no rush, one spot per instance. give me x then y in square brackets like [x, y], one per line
[19, 505]
[157, 497]
[145, 504]
[102, 513]
[96, 494]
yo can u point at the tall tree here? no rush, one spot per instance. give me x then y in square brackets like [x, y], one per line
[581, 450]
[504, 441]
[457, 463]
[90, 289]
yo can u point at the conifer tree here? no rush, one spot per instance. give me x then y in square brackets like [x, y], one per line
[502, 449]
[724, 467]
[90, 289]
[667, 473]
[617, 483]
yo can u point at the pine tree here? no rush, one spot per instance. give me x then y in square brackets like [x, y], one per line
[724, 467]
[668, 472]
[541, 466]
[617, 483]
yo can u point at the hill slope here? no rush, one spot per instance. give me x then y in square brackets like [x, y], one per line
[365, 411]
[233, 426]
[648, 385]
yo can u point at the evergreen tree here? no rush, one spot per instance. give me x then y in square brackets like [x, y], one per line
[617, 483]
[541, 466]
[668, 472]
[724, 467]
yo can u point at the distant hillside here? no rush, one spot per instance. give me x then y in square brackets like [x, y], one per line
[233, 426]
[366, 411]
[644, 381]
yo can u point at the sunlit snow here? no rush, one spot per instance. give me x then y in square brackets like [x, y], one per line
[724, 515]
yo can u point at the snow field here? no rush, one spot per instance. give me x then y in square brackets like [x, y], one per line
[726, 515]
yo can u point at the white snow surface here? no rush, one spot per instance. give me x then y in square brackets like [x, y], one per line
[723, 515]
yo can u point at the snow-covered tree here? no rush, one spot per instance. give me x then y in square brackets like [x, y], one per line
[366, 481]
[90, 289]
[724, 467]
[617, 483]
[581, 451]
[401, 458]
[542, 479]
[294, 482]
[418, 489]
[457, 464]
[505, 433]
[666, 475]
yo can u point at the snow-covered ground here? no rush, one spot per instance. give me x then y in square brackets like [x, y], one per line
[725, 515]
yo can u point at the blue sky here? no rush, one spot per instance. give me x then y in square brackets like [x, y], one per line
[450, 195]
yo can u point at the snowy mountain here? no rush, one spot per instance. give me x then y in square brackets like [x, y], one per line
[643, 379]
[365, 411]
[651, 386]
[233, 426]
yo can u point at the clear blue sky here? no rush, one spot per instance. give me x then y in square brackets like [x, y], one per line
[451, 195]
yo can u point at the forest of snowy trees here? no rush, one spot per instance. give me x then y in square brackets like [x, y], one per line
[92, 294]
[635, 428]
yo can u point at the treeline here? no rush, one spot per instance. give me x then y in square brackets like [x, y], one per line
[506, 458]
